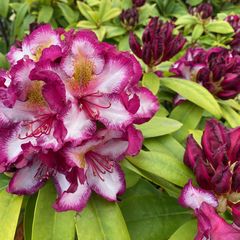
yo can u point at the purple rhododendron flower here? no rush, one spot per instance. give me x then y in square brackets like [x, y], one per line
[138, 3]
[158, 43]
[68, 108]
[234, 21]
[129, 18]
[210, 224]
[217, 69]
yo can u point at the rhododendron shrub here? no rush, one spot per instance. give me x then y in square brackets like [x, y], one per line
[119, 120]
[68, 107]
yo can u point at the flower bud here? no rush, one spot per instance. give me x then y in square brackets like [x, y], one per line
[204, 10]
[129, 18]
[138, 3]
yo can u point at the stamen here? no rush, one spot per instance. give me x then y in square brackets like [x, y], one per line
[36, 128]
[99, 164]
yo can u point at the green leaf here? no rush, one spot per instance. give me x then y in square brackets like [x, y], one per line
[86, 24]
[45, 14]
[197, 134]
[167, 143]
[231, 116]
[231, 103]
[219, 26]
[28, 217]
[162, 165]
[21, 12]
[4, 5]
[186, 232]
[197, 31]
[181, 113]
[10, 206]
[195, 93]
[3, 61]
[186, 20]
[100, 32]
[114, 31]
[171, 189]
[67, 12]
[104, 7]
[86, 11]
[159, 126]
[101, 220]
[194, 2]
[49, 224]
[114, 12]
[151, 81]
[151, 214]
[4, 180]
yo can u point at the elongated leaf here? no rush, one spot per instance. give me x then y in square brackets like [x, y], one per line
[151, 214]
[167, 143]
[159, 126]
[10, 206]
[86, 11]
[4, 180]
[189, 115]
[162, 165]
[114, 12]
[151, 81]
[28, 217]
[231, 116]
[222, 27]
[171, 189]
[4, 5]
[45, 14]
[47, 223]
[104, 7]
[86, 24]
[67, 12]
[186, 232]
[101, 220]
[231, 103]
[194, 93]
[114, 31]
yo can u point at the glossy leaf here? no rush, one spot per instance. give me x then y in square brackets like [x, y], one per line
[4, 5]
[49, 224]
[45, 14]
[151, 214]
[151, 81]
[194, 93]
[222, 27]
[114, 12]
[189, 115]
[232, 117]
[162, 165]
[4, 180]
[159, 126]
[101, 220]
[167, 143]
[10, 206]
[67, 12]
[186, 232]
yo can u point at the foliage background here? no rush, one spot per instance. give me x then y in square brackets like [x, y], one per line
[149, 209]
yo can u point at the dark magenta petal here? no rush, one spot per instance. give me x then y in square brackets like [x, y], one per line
[134, 45]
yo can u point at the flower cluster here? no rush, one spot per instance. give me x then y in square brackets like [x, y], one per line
[234, 21]
[129, 18]
[217, 168]
[68, 108]
[216, 69]
[159, 44]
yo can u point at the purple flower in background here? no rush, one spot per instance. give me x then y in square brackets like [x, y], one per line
[217, 69]
[138, 3]
[129, 18]
[203, 10]
[159, 44]
[234, 21]
[68, 105]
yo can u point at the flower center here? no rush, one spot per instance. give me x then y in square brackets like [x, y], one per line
[83, 71]
[38, 52]
[34, 94]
